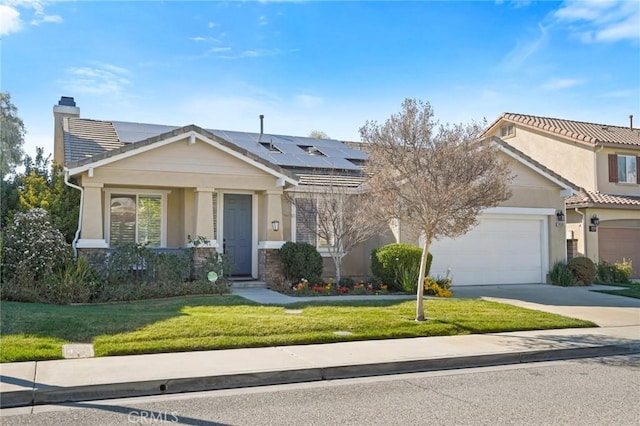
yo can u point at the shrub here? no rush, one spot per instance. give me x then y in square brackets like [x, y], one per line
[33, 252]
[619, 272]
[584, 270]
[394, 264]
[346, 282]
[561, 275]
[77, 283]
[300, 260]
[622, 271]
[135, 272]
[438, 286]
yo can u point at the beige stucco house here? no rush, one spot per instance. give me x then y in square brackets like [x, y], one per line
[603, 221]
[166, 185]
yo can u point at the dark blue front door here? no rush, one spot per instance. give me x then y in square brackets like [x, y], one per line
[237, 232]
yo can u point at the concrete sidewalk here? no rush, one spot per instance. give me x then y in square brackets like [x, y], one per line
[46, 382]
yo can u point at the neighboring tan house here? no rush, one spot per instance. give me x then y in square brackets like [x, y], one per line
[603, 221]
[164, 185]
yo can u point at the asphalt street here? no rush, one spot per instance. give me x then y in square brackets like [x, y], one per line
[593, 391]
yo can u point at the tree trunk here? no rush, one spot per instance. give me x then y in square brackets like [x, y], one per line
[337, 262]
[420, 291]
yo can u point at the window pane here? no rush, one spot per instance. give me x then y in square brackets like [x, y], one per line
[627, 172]
[305, 222]
[123, 220]
[632, 172]
[149, 220]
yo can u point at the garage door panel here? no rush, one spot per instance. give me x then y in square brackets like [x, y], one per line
[497, 251]
[615, 244]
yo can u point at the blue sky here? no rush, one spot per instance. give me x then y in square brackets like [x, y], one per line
[321, 65]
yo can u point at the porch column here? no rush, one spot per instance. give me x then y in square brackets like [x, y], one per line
[273, 212]
[204, 214]
[269, 265]
[92, 231]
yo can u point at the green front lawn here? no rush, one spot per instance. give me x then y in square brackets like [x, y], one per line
[37, 332]
[631, 290]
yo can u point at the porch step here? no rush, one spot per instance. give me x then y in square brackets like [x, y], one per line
[248, 284]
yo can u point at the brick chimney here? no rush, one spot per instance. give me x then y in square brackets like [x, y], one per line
[66, 108]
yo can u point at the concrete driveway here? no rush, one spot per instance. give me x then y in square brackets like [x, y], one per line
[606, 310]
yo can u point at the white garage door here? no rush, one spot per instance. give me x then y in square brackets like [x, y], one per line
[500, 250]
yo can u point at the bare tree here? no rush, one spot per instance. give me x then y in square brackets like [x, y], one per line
[435, 178]
[335, 214]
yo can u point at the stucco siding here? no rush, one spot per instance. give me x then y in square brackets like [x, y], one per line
[180, 164]
[183, 157]
[571, 160]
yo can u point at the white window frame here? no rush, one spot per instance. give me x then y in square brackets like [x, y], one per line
[628, 159]
[507, 130]
[108, 192]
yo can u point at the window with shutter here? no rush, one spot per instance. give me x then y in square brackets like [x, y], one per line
[627, 169]
[613, 168]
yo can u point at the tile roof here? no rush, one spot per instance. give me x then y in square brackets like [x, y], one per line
[592, 133]
[590, 199]
[85, 138]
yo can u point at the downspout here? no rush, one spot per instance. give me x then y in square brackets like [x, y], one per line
[584, 230]
[79, 188]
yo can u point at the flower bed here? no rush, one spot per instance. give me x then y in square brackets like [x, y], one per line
[303, 288]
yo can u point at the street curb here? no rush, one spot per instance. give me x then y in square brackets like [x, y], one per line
[52, 395]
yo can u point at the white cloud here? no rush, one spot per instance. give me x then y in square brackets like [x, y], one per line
[219, 49]
[620, 94]
[10, 17]
[54, 19]
[263, 20]
[10, 21]
[255, 53]
[100, 79]
[200, 39]
[560, 83]
[211, 24]
[308, 101]
[594, 21]
[525, 49]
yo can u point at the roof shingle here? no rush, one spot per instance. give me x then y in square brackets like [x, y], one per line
[592, 133]
[590, 199]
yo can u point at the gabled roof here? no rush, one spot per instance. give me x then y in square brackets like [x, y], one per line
[88, 140]
[118, 151]
[533, 164]
[596, 199]
[590, 133]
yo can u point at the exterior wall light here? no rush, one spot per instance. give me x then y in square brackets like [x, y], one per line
[560, 215]
[595, 220]
[275, 225]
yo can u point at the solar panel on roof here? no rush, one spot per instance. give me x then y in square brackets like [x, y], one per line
[333, 154]
[134, 132]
